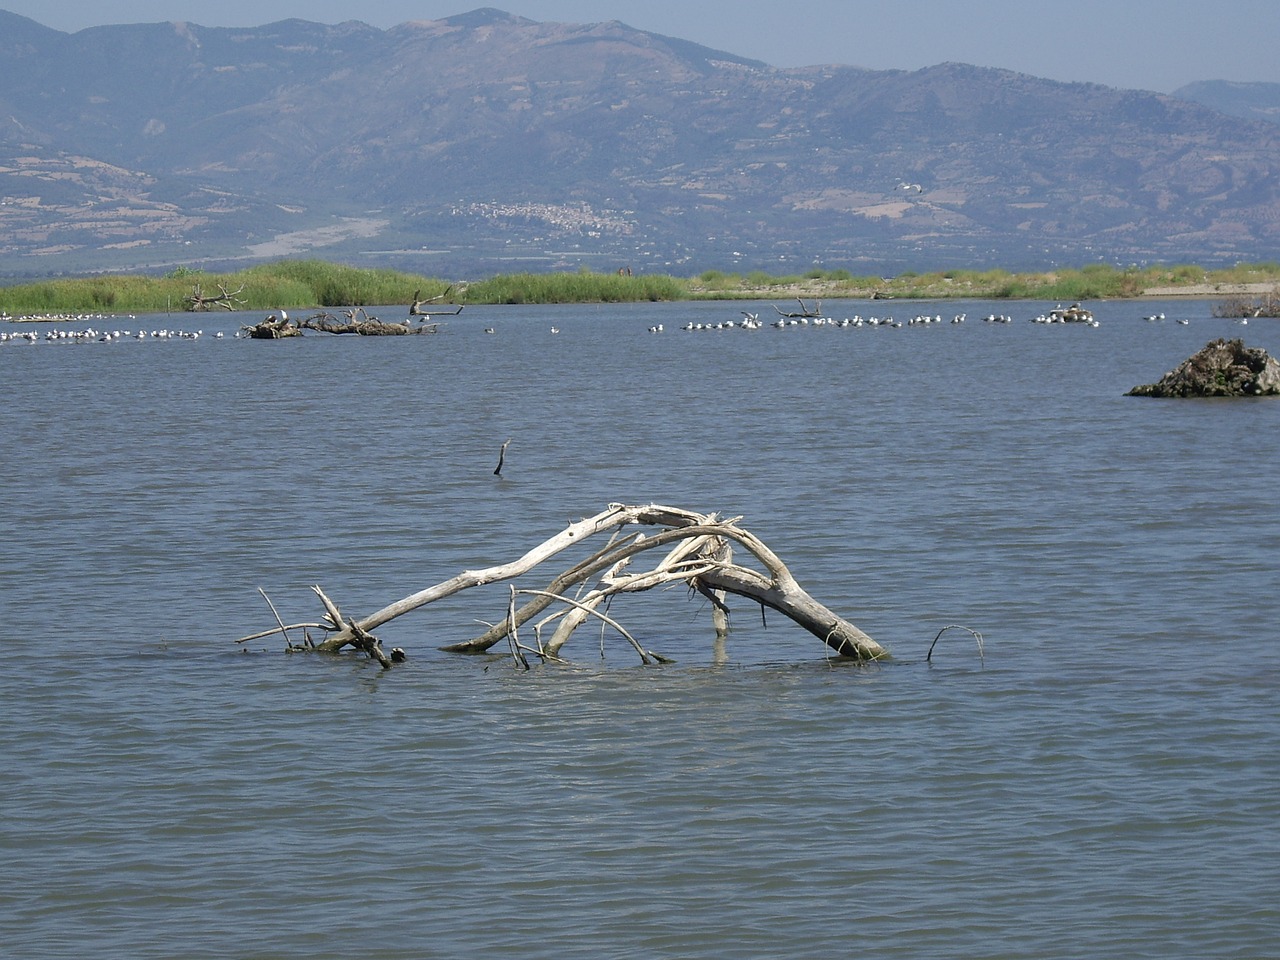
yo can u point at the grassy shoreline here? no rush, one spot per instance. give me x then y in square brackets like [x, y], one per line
[314, 284]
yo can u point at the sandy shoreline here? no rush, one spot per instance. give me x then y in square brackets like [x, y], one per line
[1211, 290]
[826, 289]
[819, 290]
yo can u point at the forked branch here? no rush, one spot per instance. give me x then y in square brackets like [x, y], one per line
[419, 307]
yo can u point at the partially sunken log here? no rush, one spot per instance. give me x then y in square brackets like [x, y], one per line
[1222, 368]
[363, 325]
[694, 549]
[280, 325]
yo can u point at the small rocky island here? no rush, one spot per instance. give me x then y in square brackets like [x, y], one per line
[1222, 368]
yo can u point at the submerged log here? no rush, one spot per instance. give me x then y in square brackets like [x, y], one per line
[693, 549]
[1222, 368]
[358, 322]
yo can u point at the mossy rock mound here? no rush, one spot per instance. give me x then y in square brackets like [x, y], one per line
[1222, 368]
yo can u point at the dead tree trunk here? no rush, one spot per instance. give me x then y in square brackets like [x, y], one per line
[695, 549]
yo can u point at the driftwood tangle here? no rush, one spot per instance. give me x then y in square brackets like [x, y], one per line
[1244, 305]
[804, 311]
[228, 300]
[690, 548]
[279, 325]
[1222, 368]
[359, 322]
[418, 306]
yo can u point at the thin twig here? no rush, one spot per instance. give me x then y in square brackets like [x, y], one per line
[287, 642]
[587, 608]
[274, 630]
[974, 633]
[513, 638]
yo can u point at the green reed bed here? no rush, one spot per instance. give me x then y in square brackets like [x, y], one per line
[315, 284]
[113, 294]
[303, 284]
[579, 287]
[287, 283]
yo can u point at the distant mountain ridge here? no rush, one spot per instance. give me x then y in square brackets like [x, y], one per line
[487, 142]
[1252, 101]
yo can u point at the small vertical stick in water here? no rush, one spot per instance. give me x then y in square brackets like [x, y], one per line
[287, 642]
[497, 471]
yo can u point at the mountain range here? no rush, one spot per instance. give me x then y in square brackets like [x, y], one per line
[487, 142]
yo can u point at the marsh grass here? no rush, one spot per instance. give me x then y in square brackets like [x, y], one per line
[304, 284]
[581, 287]
[316, 284]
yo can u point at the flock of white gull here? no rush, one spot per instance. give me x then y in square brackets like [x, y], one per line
[89, 333]
[750, 321]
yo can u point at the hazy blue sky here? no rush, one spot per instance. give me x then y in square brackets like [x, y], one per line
[1147, 44]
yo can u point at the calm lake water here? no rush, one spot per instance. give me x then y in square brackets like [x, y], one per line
[1102, 783]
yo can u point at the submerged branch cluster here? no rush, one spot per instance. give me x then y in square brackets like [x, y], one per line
[681, 547]
[358, 321]
[1267, 305]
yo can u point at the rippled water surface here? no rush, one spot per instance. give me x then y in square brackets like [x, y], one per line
[1101, 782]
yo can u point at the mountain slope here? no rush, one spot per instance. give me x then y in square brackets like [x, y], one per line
[1251, 101]
[470, 143]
